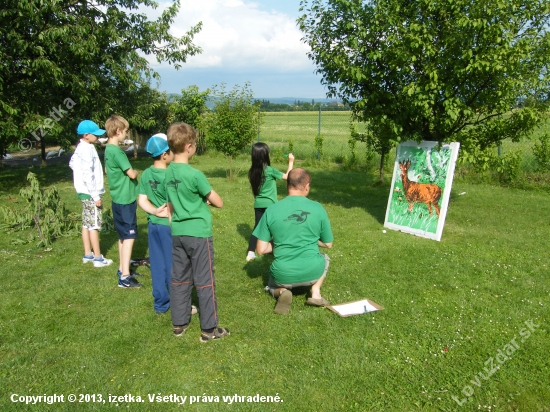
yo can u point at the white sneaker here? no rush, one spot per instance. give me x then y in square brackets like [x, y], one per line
[250, 256]
[194, 310]
[89, 258]
[101, 262]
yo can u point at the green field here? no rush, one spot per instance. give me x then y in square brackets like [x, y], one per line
[478, 299]
[280, 128]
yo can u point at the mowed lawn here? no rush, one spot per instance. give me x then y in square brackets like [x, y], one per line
[465, 324]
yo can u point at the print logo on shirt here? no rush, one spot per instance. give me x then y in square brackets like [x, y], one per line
[173, 183]
[154, 184]
[299, 217]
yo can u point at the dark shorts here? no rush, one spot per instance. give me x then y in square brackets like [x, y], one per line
[125, 220]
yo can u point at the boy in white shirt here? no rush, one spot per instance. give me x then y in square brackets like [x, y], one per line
[88, 182]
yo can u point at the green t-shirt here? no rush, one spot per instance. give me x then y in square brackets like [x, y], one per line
[268, 190]
[296, 224]
[152, 185]
[123, 189]
[186, 189]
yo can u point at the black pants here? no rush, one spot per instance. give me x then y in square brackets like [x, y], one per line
[258, 213]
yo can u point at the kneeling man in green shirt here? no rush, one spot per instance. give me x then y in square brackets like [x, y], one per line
[294, 229]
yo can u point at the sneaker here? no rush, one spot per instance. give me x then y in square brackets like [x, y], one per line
[218, 333]
[194, 310]
[132, 273]
[100, 262]
[179, 330]
[88, 258]
[250, 256]
[128, 282]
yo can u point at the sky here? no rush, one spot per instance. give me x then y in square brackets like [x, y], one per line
[256, 41]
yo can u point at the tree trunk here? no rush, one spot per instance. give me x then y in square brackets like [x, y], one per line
[43, 150]
[230, 168]
[382, 158]
[135, 139]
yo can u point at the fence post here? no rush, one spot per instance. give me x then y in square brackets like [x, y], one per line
[259, 124]
[319, 133]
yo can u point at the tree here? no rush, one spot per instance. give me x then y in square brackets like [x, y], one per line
[440, 70]
[91, 52]
[190, 107]
[233, 123]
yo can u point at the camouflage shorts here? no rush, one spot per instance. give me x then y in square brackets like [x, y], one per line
[91, 215]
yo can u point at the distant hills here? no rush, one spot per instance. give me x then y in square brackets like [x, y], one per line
[291, 100]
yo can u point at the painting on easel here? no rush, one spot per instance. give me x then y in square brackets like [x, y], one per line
[420, 189]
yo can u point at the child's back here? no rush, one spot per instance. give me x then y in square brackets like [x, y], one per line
[123, 185]
[188, 192]
[123, 189]
[152, 199]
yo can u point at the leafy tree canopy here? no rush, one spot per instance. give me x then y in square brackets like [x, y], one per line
[92, 52]
[439, 70]
[233, 123]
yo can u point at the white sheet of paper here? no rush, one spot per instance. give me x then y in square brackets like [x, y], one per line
[354, 308]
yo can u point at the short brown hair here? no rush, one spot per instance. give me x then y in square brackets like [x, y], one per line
[114, 123]
[180, 135]
[298, 179]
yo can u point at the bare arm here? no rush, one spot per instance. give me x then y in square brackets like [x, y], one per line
[131, 173]
[170, 210]
[150, 208]
[290, 165]
[263, 248]
[323, 244]
[214, 199]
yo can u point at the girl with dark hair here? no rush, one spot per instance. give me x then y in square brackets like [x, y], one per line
[262, 180]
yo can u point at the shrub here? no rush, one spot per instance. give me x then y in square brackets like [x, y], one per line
[541, 150]
[44, 214]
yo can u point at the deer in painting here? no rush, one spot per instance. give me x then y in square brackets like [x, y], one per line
[427, 193]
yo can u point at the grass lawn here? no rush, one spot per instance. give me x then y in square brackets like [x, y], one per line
[455, 310]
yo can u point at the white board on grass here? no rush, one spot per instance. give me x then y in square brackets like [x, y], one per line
[355, 308]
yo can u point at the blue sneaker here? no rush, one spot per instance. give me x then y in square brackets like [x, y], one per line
[132, 273]
[88, 258]
[100, 262]
[128, 282]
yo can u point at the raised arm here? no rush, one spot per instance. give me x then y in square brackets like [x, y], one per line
[290, 165]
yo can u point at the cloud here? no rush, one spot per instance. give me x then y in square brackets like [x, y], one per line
[238, 35]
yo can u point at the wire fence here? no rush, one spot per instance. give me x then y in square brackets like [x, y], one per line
[299, 132]
[310, 135]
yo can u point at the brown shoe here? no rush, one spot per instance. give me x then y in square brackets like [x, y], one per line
[283, 302]
[317, 302]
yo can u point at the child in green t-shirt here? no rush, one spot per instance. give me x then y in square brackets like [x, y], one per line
[262, 180]
[123, 185]
[189, 194]
[152, 199]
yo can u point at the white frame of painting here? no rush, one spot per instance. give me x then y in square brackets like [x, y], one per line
[425, 145]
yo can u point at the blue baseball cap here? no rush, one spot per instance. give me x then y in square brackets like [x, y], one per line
[157, 144]
[87, 126]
